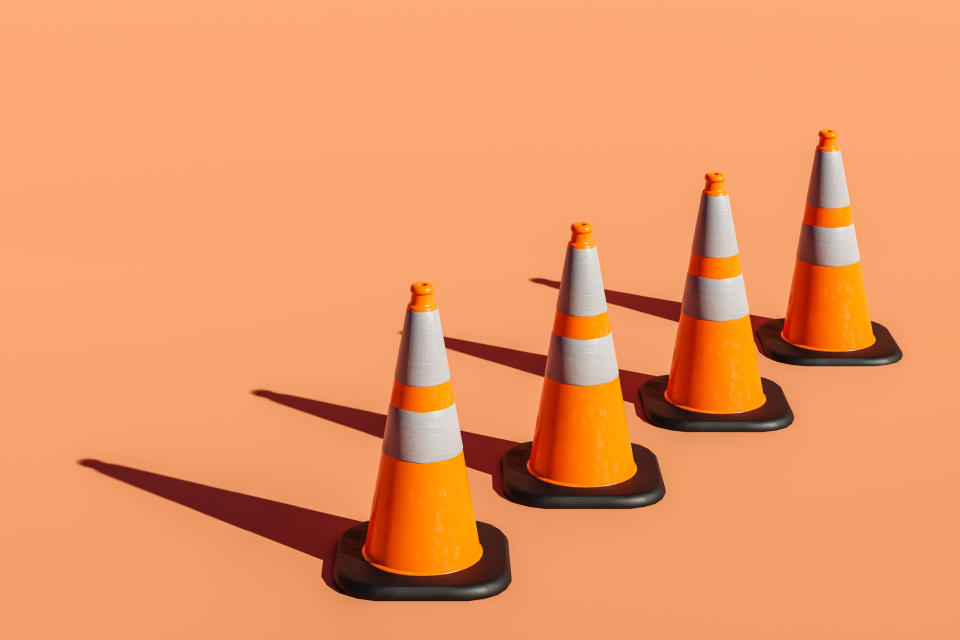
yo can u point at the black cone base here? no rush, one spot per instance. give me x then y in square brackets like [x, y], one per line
[883, 351]
[358, 578]
[644, 488]
[774, 414]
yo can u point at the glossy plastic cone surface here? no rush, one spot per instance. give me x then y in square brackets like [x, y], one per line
[422, 521]
[827, 310]
[581, 438]
[715, 367]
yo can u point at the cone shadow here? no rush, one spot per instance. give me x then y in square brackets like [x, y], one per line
[534, 363]
[659, 307]
[311, 532]
[479, 451]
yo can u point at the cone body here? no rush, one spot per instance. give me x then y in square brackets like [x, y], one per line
[581, 438]
[715, 367]
[422, 521]
[827, 310]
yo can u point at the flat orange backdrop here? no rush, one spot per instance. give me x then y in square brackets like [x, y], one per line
[202, 200]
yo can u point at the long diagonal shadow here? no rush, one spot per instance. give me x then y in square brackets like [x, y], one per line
[536, 363]
[666, 309]
[312, 532]
[480, 452]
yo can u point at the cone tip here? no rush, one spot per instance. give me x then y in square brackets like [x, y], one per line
[582, 237]
[715, 184]
[828, 140]
[421, 298]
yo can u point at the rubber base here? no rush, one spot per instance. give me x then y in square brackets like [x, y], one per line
[883, 351]
[643, 489]
[774, 414]
[358, 578]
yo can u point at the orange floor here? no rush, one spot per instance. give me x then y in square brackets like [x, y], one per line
[212, 214]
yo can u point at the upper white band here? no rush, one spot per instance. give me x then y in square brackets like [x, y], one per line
[828, 183]
[828, 246]
[422, 437]
[582, 362]
[581, 287]
[714, 236]
[715, 299]
[422, 360]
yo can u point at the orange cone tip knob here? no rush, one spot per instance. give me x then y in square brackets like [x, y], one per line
[828, 140]
[582, 236]
[715, 186]
[421, 298]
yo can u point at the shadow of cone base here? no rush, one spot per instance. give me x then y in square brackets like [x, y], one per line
[883, 351]
[774, 414]
[643, 489]
[358, 578]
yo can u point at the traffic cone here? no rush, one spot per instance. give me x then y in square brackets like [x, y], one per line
[422, 542]
[714, 382]
[581, 455]
[827, 319]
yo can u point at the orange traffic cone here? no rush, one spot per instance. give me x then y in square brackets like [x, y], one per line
[581, 455]
[714, 382]
[422, 542]
[827, 319]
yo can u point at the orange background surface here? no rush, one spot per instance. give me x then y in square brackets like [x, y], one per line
[204, 199]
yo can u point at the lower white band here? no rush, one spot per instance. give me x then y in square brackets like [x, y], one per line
[582, 362]
[828, 246]
[715, 299]
[422, 437]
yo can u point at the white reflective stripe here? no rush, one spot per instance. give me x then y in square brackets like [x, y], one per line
[715, 299]
[422, 361]
[828, 247]
[581, 287]
[422, 437]
[828, 183]
[715, 236]
[582, 362]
